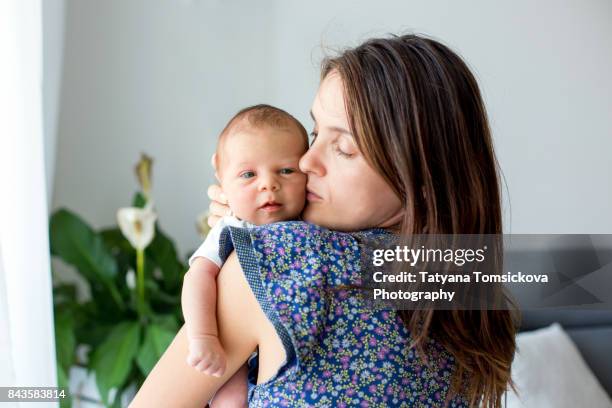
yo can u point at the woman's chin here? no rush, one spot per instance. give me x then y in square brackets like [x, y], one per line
[309, 215]
[316, 215]
[327, 219]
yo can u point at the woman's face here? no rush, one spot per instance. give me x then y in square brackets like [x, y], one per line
[343, 192]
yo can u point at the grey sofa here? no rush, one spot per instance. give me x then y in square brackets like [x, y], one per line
[570, 258]
[591, 331]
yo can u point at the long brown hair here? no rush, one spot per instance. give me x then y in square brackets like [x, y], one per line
[417, 115]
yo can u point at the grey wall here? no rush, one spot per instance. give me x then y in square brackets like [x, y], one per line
[544, 68]
[157, 77]
[164, 76]
[53, 47]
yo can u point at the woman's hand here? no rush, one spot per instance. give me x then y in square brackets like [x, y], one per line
[218, 207]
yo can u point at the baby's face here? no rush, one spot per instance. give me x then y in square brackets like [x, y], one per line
[260, 175]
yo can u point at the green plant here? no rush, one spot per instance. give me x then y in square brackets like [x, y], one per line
[131, 316]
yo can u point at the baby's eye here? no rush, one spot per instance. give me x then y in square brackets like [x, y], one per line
[287, 171]
[247, 174]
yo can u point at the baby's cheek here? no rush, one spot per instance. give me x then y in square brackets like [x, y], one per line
[298, 193]
[242, 203]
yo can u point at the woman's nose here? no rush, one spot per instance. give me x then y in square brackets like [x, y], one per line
[311, 162]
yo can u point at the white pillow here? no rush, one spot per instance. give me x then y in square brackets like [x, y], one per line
[549, 371]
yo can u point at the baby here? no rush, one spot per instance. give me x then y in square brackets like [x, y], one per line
[256, 164]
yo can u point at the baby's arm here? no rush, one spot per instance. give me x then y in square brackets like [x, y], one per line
[198, 300]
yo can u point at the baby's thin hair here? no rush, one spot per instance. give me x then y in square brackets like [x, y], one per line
[262, 115]
[259, 116]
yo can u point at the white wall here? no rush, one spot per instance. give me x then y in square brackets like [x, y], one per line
[164, 76]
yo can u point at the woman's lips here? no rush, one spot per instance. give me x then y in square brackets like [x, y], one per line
[310, 196]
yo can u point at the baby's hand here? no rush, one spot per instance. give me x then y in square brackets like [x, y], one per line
[206, 355]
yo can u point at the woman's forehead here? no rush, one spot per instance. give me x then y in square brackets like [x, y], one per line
[328, 108]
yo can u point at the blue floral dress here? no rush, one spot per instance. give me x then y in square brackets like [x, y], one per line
[339, 352]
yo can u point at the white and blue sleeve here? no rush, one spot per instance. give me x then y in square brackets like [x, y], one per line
[210, 247]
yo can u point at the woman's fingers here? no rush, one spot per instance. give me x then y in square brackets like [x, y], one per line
[219, 210]
[212, 220]
[216, 194]
[218, 207]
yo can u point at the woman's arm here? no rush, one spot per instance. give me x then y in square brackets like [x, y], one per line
[173, 383]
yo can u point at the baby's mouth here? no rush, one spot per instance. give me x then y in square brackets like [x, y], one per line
[271, 206]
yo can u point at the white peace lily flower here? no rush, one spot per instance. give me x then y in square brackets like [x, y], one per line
[130, 279]
[157, 273]
[112, 393]
[202, 224]
[137, 225]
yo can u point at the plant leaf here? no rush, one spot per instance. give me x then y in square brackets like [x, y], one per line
[168, 322]
[65, 293]
[157, 339]
[62, 382]
[114, 239]
[77, 244]
[112, 360]
[163, 252]
[139, 200]
[65, 342]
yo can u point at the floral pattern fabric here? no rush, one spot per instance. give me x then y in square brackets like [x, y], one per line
[340, 353]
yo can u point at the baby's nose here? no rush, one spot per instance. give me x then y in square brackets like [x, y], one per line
[269, 184]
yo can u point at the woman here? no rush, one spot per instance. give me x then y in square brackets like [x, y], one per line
[401, 144]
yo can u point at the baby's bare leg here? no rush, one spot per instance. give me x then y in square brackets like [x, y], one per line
[198, 300]
[234, 392]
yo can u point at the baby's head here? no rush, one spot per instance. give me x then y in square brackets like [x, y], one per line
[257, 164]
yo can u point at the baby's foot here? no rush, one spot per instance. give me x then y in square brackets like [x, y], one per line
[206, 355]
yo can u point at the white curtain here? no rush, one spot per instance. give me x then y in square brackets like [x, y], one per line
[27, 357]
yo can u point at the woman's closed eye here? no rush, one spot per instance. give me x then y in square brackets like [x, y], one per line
[335, 146]
[341, 152]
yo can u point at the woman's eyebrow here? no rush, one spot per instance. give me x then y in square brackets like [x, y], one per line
[332, 128]
[312, 116]
[340, 130]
